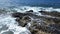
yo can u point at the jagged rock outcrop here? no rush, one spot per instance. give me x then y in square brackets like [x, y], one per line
[39, 24]
[52, 13]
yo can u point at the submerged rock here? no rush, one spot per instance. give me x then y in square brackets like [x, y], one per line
[4, 27]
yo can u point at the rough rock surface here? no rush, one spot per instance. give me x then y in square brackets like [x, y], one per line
[49, 24]
[52, 13]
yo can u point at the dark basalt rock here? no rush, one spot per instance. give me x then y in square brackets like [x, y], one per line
[20, 15]
[17, 14]
[56, 26]
[30, 11]
[23, 21]
[52, 13]
[56, 20]
[44, 24]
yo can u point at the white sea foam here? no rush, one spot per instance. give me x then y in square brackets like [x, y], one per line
[8, 24]
[36, 10]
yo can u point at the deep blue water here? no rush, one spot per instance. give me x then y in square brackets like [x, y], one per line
[43, 3]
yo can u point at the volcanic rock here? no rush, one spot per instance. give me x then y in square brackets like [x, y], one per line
[23, 21]
[39, 24]
[52, 13]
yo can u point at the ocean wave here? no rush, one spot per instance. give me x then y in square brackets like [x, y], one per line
[8, 25]
[35, 9]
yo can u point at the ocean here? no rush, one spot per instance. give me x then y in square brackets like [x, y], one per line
[8, 25]
[40, 3]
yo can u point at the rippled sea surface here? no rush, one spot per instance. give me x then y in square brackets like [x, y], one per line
[41, 3]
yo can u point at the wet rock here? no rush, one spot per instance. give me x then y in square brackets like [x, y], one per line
[55, 13]
[53, 29]
[39, 24]
[25, 32]
[56, 26]
[34, 28]
[42, 32]
[57, 21]
[30, 11]
[20, 15]
[51, 19]
[23, 21]
[17, 14]
[52, 13]
[44, 12]
[26, 18]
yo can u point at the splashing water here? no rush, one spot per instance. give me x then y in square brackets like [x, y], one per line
[8, 25]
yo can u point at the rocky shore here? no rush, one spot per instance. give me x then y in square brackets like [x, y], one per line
[47, 23]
